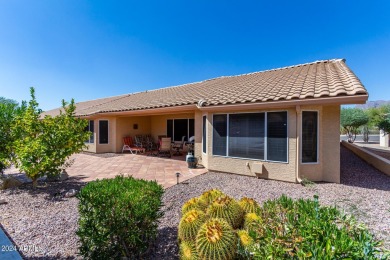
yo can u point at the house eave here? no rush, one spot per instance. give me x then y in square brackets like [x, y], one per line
[341, 100]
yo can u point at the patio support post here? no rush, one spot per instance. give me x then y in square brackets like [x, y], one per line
[298, 134]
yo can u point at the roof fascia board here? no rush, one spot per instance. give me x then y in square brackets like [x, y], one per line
[358, 99]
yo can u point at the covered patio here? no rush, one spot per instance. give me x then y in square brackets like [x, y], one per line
[89, 167]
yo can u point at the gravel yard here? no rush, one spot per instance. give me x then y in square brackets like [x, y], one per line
[47, 220]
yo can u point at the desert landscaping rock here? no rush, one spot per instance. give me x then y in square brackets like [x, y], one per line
[48, 221]
[7, 182]
[63, 176]
[71, 193]
[3, 201]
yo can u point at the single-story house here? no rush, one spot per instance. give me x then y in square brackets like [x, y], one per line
[280, 124]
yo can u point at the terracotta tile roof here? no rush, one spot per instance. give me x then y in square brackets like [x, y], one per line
[328, 78]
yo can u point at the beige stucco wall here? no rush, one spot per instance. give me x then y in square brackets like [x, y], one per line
[125, 127]
[110, 147]
[198, 138]
[313, 171]
[331, 144]
[327, 168]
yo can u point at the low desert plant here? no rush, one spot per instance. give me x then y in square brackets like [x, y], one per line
[118, 217]
[216, 239]
[281, 228]
[226, 208]
[190, 223]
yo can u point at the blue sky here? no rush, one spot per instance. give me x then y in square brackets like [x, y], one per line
[91, 49]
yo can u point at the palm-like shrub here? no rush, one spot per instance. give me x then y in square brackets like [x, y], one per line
[216, 239]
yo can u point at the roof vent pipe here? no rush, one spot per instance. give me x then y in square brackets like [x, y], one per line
[201, 103]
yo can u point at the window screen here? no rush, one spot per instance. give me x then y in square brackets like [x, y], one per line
[277, 136]
[309, 136]
[103, 132]
[204, 137]
[219, 134]
[180, 129]
[246, 135]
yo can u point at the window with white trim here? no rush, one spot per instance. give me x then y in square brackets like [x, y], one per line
[309, 136]
[90, 128]
[261, 136]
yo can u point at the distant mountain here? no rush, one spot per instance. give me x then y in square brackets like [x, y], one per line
[376, 103]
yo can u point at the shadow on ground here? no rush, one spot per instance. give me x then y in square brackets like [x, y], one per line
[52, 190]
[165, 246]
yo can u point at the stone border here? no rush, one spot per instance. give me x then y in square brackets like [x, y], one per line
[376, 161]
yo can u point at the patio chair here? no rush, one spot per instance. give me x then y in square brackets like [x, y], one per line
[165, 147]
[178, 146]
[139, 141]
[128, 145]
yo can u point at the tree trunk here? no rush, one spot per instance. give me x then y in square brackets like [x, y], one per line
[35, 183]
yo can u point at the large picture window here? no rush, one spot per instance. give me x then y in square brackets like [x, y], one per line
[309, 136]
[103, 131]
[246, 135]
[90, 128]
[177, 128]
[260, 136]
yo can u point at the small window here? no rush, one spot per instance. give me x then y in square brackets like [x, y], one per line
[90, 128]
[219, 134]
[103, 131]
[277, 136]
[309, 136]
[204, 136]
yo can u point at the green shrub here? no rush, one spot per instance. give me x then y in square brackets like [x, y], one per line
[118, 217]
[303, 229]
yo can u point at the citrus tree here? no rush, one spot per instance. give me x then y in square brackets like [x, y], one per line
[8, 111]
[351, 119]
[43, 145]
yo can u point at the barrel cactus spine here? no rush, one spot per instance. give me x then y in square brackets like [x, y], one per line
[194, 203]
[209, 196]
[216, 239]
[187, 251]
[228, 209]
[249, 205]
[190, 223]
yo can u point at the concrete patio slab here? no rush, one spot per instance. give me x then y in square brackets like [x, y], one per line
[89, 167]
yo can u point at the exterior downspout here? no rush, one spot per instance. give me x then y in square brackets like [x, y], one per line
[298, 149]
